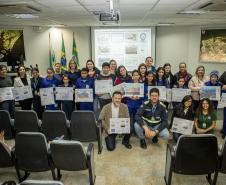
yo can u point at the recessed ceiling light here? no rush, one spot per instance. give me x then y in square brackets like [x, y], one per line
[193, 12]
[23, 16]
[57, 25]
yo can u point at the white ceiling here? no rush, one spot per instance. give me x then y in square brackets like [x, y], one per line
[132, 13]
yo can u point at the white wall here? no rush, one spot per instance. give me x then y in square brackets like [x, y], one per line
[173, 45]
[37, 45]
[181, 44]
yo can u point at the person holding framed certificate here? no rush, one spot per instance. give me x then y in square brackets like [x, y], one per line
[151, 120]
[214, 81]
[85, 82]
[150, 81]
[105, 76]
[134, 102]
[36, 84]
[205, 118]
[5, 81]
[51, 81]
[23, 80]
[183, 111]
[115, 110]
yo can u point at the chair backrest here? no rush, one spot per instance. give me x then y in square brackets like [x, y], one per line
[83, 126]
[196, 154]
[68, 155]
[223, 158]
[5, 156]
[6, 124]
[37, 182]
[54, 124]
[31, 151]
[26, 121]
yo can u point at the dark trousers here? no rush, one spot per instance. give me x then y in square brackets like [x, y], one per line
[111, 143]
[224, 122]
[67, 107]
[26, 104]
[38, 108]
[8, 105]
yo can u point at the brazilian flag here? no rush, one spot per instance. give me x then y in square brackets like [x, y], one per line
[75, 52]
[63, 60]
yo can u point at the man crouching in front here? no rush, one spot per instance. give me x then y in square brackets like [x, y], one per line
[116, 109]
[151, 120]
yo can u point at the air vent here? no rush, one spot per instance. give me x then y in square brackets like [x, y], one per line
[18, 9]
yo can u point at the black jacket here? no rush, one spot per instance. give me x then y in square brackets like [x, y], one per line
[144, 116]
[179, 113]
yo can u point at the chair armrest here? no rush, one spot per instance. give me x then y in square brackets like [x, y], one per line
[99, 135]
[39, 123]
[171, 149]
[90, 163]
[12, 122]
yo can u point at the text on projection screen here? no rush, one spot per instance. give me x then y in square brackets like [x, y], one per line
[129, 47]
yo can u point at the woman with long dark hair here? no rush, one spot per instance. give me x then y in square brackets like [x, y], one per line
[142, 69]
[122, 76]
[184, 111]
[205, 118]
[168, 75]
[91, 68]
[23, 80]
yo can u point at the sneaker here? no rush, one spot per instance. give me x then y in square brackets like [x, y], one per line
[155, 139]
[143, 144]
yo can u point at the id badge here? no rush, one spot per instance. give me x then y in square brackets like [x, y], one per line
[204, 125]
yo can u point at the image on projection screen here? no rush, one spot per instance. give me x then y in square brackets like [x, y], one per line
[129, 47]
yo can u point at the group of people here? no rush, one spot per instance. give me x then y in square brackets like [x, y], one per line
[148, 115]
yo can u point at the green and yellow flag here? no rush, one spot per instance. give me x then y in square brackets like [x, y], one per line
[52, 57]
[75, 52]
[63, 60]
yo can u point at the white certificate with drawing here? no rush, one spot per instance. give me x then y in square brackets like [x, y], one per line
[47, 96]
[162, 92]
[211, 92]
[6, 94]
[178, 94]
[22, 93]
[119, 125]
[182, 126]
[222, 102]
[119, 87]
[83, 95]
[64, 93]
[134, 89]
[103, 86]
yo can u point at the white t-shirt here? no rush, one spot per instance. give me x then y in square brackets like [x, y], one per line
[114, 111]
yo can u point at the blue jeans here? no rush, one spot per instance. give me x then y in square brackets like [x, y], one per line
[164, 134]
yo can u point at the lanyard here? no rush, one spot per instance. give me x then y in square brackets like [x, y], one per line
[36, 83]
[153, 109]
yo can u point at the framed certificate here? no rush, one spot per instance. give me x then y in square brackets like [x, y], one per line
[134, 89]
[211, 92]
[47, 96]
[119, 125]
[119, 87]
[83, 95]
[178, 94]
[6, 94]
[103, 86]
[22, 93]
[64, 93]
[182, 126]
